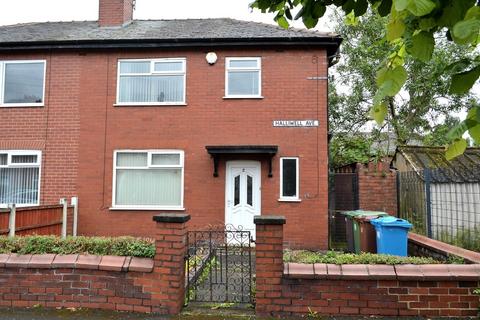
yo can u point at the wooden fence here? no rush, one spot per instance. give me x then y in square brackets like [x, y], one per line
[59, 219]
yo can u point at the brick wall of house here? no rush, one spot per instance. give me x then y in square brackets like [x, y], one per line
[377, 187]
[79, 128]
[207, 119]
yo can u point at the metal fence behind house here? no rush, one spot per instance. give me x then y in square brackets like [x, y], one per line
[443, 204]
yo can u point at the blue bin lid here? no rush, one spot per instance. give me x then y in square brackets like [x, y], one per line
[391, 222]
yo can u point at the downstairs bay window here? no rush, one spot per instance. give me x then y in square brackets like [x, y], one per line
[20, 177]
[148, 179]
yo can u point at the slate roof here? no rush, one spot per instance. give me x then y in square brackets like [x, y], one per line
[169, 31]
[464, 168]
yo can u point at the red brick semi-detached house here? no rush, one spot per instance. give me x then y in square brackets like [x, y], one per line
[219, 118]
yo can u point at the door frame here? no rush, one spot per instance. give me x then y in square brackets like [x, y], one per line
[246, 163]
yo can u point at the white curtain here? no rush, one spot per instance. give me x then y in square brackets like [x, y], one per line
[158, 88]
[19, 185]
[160, 187]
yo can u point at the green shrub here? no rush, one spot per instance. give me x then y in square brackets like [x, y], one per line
[333, 257]
[119, 246]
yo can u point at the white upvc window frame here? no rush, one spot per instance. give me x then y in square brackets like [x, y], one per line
[243, 69]
[2, 83]
[295, 198]
[149, 152]
[153, 72]
[37, 164]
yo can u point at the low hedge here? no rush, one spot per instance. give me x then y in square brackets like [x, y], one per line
[333, 257]
[116, 246]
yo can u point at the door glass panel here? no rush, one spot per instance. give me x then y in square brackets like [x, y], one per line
[249, 190]
[236, 191]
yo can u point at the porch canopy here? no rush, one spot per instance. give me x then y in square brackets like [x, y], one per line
[217, 151]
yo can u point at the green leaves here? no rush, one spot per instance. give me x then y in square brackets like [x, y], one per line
[470, 124]
[420, 7]
[456, 148]
[282, 22]
[463, 82]
[473, 123]
[390, 81]
[416, 7]
[422, 46]
[467, 30]
[395, 29]
[379, 112]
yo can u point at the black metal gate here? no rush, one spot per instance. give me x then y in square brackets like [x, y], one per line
[220, 266]
[343, 196]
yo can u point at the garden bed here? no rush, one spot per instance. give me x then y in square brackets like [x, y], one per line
[101, 246]
[335, 257]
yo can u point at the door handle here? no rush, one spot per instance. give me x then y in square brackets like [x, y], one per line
[229, 203]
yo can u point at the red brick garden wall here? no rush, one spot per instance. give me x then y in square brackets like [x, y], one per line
[102, 282]
[377, 187]
[325, 289]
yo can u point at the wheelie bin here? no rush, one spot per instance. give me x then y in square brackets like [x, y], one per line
[392, 235]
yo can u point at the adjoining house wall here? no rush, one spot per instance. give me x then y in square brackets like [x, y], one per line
[377, 187]
[53, 129]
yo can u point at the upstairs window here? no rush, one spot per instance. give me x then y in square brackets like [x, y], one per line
[289, 179]
[22, 83]
[151, 82]
[148, 179]
[243, 78]
[19, 177]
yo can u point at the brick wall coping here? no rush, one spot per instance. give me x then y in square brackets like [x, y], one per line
[442, 247]
[76, 261]
[426, 272]
[269, 219]
[171, 217]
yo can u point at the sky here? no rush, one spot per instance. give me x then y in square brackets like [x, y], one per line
[21, 11]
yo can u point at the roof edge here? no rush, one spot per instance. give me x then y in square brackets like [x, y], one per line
[331, 44]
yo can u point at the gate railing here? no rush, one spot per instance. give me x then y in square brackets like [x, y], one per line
[219, 266]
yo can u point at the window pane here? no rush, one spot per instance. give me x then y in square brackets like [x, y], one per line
[236, 191]
[160, 187]
[135, 67]
[168, 66]
[249, 190]
[131, 159]
[19, 185]
[23, 83]
[289, 178]
[165, 159]
[24, 159]
[151, 88]
[243, 83]
[244, 63]
[3, 159]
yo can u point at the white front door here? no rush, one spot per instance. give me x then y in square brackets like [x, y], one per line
[242, 194]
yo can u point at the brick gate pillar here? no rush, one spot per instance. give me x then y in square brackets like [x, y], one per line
[269, 262]
[168, 285]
